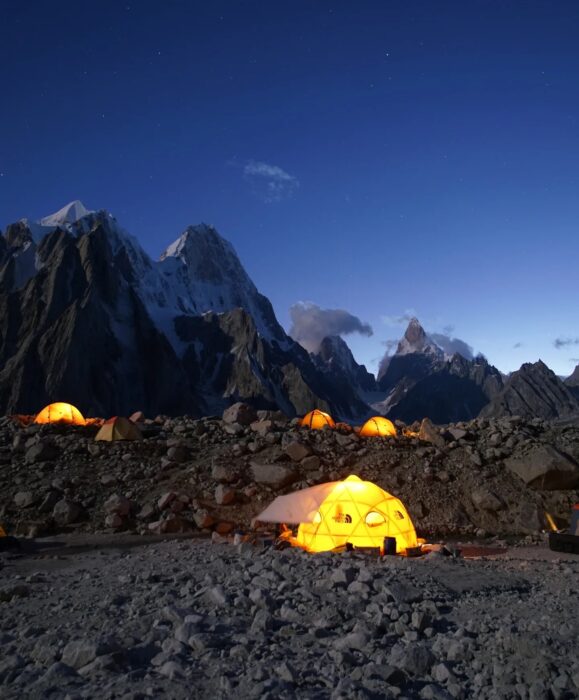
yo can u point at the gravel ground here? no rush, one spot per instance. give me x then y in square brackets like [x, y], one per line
[191, 619]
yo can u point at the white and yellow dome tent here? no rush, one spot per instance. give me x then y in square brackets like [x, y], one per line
[337, 513]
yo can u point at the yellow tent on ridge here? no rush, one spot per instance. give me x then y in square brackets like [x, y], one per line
[118, 428]
[60, 413]
[316, 420]
[378, 427]
[352, 511]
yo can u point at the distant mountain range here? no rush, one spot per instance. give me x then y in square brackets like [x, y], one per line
[88, 317]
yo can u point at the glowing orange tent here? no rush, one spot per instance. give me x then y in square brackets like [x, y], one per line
[60, 413]
[316, 420]
[352, 512]
[378, 427]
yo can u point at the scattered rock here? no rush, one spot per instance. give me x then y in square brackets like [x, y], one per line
[274, 475]
[429, 433]
[240, 413]
[66, 512]
[297, 450]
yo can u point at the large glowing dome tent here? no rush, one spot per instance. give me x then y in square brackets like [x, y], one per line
[337, 513]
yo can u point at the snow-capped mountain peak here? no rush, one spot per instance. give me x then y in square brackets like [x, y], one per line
[192, 237]
[416, 340]
[69, 214]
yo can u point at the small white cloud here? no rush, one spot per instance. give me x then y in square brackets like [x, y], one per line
[270, 182]
[400, 320]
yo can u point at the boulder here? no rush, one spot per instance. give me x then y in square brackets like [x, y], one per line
[486, 500]
[117, 504]
[297, 450]
[114, 520]
[66, 512]
[223, 474]
[24, 499]
[203, 519]
[42, 452]
[457, 433]
[78, 653]
[429, 433]
[545, 468]
[262, 427]
[178, 454]
[224, 496]
[274, 475]
[239, 413]
[166, 499]
[311, 463]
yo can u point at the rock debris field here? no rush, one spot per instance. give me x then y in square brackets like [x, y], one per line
[191, 619]
[493, 477]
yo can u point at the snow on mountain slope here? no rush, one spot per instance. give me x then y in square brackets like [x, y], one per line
[198, 273]
[69, 214]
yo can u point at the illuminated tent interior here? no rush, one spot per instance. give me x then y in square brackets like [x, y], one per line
[118, 428]
[316, 420]
[60, 413]
[378, 427]
[352, 512]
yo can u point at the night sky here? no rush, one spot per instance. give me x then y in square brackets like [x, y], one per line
[382, 158]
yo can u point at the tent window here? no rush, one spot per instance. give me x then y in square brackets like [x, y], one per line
[374, 519]
[398, 515]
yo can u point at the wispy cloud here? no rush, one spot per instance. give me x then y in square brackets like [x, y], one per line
[400, 320]
[311, 324]
[451, 345]
[270, 182]
[565, 342]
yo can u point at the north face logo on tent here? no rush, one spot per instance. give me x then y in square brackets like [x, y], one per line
[342, 518]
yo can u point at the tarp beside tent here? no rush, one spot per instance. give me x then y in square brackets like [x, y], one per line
[298, 507]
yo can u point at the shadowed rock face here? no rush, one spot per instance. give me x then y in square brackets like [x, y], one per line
[572, 383]
[422, 382]
[79, 325]
[452, 391]
[338, 369]
[534, 390]
[61, 337]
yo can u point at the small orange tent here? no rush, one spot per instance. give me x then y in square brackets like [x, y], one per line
[60, 413]
[316, 420]
[352, 511]
[378, 427]
[118, 428]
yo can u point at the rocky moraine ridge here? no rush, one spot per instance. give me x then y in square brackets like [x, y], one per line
[493, 476]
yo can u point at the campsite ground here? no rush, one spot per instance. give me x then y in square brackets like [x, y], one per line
[131, 617]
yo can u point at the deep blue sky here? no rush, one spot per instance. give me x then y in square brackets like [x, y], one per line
[430, 150]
